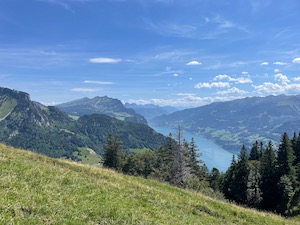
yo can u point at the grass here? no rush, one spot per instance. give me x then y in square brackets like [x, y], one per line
[35, 189]
[6, 107]
[88, 156]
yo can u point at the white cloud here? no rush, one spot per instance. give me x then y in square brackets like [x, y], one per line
[276, 70]
[104, 60]
[280, 63]
[212, 85]
[269, 87]
[185, 94]
[227, 65]
[240, 80]
[244, 72]
[193, 63]
[221, 77]
[264, 63]
[98, 82]
[233, 90]
[50, 103]
[188, 100]
[84, 89]
[175, 75]
[296, 60]
[282, 78]
[296, 79]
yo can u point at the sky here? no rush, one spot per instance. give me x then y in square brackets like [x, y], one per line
[184, 53]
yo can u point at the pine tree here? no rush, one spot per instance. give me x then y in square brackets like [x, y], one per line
[268, 179]
[194, 158]
[242, 172]
[286, 192]
[254, 194]
[215, 179]
[285, 159]
[228, 184]
[296, 148]
[254, 152]
[182, 160]
[113, 153]
[166, 161]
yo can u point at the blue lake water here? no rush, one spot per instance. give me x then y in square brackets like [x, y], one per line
[212, 154]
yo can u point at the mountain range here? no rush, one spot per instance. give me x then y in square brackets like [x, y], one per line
[101, 105]
[150, 111]
[244, 121]
[48, 130]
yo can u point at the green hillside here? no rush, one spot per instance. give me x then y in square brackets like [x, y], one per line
[243, 121]
[48, 130]
[35, 189]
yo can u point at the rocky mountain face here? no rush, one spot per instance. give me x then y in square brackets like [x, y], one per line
[234, 123]
[102, 105]
[48, 130]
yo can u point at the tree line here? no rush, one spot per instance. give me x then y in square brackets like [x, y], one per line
[266, 178]
[177, 163]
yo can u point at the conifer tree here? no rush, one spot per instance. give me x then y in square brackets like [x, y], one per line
[269, 180]
[166, 161]
[254, 194]
[254, 152]
[285, 159]
[286, 193]
[113, 153]
[241, 173]
[194, 158]
[215, 179]
[228, 184]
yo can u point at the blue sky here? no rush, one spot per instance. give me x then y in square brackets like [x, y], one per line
[167, 52]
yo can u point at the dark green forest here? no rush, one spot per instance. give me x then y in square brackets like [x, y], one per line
[266, 178]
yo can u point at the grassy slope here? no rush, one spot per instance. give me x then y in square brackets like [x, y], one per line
[39, 190]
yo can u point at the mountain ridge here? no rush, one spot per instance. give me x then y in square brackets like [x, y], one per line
[243, 121]
[48, 130]
[101, 105]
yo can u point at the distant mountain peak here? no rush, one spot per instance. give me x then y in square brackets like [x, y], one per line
[49, 130]
[102, 105]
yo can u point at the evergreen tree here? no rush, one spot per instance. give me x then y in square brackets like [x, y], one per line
[254, 194]
[166, 161]
[269, 180]
[296, 148]
[215, 179]
[254, 152]
[286, 192]
[194, 158]
[228, 184]
[241, 173]
[113, 153]
[285, 159]
[182, 160]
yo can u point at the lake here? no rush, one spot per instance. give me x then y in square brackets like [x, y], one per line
[212, 154]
